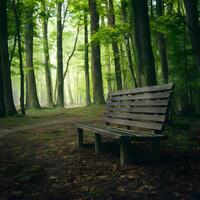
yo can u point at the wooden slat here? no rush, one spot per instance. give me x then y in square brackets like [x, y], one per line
[147, 102]
[137, 133]
[144, 89]
[118, 133]
[153, 110]
[157, 95]
[145, 125]
[138, 117]
[98, 130]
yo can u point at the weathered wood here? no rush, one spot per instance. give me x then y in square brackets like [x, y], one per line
[157, 95]
[117, 133]
[142, 109]
[138, 117]
[97, 143]
[153, 110]
[145, 125]
[79, 138]
[123, 152]
[138, 103]
[96, 129]
[144, 89]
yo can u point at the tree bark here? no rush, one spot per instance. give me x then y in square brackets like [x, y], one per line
[2, 104]
[5, 67]
[127, 43]
[136, 28]
[32, 98]
[60, 78]
[86, 50]
[46, 56]
[96, 56]
[141, 28]
[111, 22]
[18, 24]
[162, 47]
[191, 7]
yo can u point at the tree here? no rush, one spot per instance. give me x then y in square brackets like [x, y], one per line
[142, 35]
[2, 104]
[5, 67]
[96, 55]
[18, 24]
[46, 53]
[60, 78]
[32, 98]
[191, 7]
[87, 77]
[162, 47]
[127, 41]
[111, 23]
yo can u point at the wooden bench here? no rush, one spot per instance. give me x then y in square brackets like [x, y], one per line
[132, 115]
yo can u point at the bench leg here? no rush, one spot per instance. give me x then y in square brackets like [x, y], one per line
[79, 138]
[123, 152]
[97, 143]
[156, 149]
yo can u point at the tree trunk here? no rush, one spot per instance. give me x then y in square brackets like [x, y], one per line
[2, 104]
[141, 28]
[5, 67]
[108, 71]
[60, 80]
[32, 98]
[46, 56]
[111, 22]
[136, 27]
[127, 43]
[96, 56]
[87, 76]
[18, 24]
[162, 44]
[194, 29]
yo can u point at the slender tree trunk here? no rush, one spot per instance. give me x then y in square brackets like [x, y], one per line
[162, 47]
[2, 104]
[127, 43]
[96, 56]
[60, 78]
[108, 65]
[141, 28]
[5, 67]
[46, 56]
[32, 98]
[68, 61]
[111, 22]
[191, 7]
[87, 76]
[18, 24]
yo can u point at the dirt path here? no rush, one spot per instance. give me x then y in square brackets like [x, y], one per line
[44, 123]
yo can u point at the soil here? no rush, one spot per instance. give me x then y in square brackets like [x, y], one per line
[40, 161]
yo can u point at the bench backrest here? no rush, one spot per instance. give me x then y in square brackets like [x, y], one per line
[140, 108]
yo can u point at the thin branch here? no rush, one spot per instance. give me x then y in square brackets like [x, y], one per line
[65, 14]
[72, 53]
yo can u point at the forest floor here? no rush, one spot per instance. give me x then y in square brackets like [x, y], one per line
[39, 161]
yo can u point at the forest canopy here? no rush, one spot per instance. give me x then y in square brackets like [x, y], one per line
[74, 52]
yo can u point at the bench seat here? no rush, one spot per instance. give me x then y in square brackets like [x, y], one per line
[119, 133]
